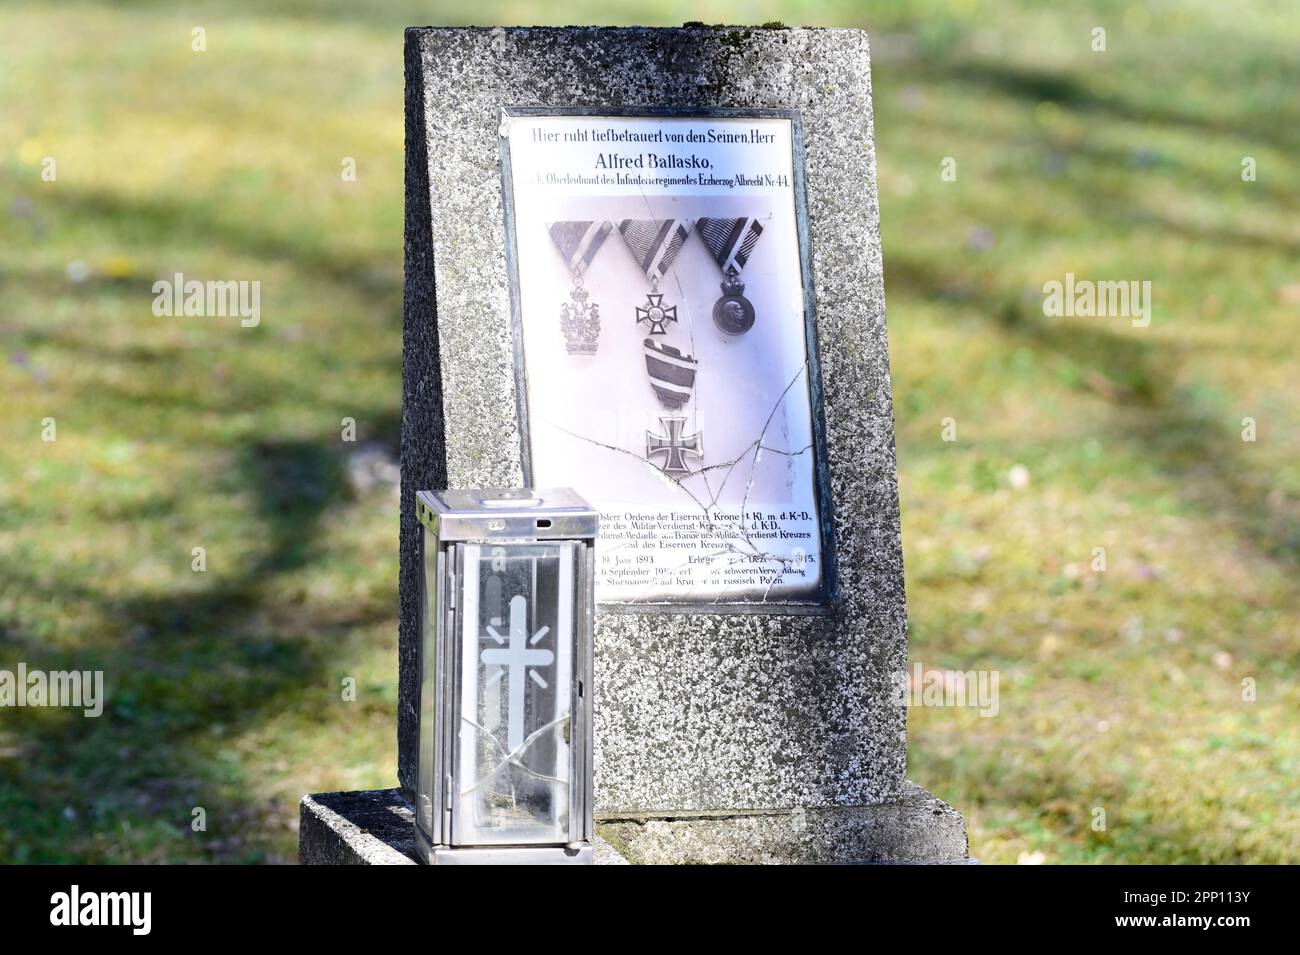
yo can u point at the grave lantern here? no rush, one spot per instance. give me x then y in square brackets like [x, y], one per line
[507, 608]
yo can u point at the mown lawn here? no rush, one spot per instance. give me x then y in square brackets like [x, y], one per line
[1121, 689]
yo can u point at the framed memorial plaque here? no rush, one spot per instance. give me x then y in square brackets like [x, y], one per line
[665, 349]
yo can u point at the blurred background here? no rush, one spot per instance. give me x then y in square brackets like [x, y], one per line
[1121, 688]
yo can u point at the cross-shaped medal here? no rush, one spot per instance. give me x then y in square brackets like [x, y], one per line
[675, 446]
[656, 313]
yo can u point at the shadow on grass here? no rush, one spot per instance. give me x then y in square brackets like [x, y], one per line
[186, 672]
[139, 221]
[189, 672]
[1069, 91]
[1207, 460]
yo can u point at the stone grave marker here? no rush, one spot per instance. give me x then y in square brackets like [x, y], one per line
[646, 264]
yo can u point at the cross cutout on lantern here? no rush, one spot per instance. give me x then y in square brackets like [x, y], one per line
[513, 661]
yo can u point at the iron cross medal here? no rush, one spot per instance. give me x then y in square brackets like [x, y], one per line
[674, 446]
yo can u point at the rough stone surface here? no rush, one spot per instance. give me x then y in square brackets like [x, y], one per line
[694, 713]
[913, 827]
[373, 828]
[356, 828]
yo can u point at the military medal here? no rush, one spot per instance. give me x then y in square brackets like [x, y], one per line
[577, 243]
[674, 446]
[656, 313]
[672, 376]
[730, 241]
[654, 243]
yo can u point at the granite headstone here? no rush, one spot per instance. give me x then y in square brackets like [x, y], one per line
[745, 694]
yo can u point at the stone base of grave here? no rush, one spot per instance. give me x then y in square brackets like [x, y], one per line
[376, 828]
[373, 827]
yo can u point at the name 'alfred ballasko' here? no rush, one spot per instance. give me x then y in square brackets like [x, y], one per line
[651, 161]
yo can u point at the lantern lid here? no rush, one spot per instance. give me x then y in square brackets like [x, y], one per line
[507, 514]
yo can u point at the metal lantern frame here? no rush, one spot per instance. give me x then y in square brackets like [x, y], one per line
[466, 537]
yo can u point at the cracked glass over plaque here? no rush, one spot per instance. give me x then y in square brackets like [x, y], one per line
[667, 367]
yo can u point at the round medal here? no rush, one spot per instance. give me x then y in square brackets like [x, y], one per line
[733, 314]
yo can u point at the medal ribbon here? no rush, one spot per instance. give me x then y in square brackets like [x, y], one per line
[729, 241]
[654, 243]
[578, 242]
[672, 374]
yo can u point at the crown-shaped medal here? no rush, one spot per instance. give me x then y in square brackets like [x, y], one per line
[580, 323]
[577, 242]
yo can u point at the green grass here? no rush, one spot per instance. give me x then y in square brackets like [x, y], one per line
[1120, 689]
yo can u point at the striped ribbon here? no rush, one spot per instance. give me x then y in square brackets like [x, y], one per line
[578, 242]
[672, 374]
[729, 241]
[654, 243]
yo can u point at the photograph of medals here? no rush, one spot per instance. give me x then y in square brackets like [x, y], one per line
[654, 243]
[578, 243]
[730, 242]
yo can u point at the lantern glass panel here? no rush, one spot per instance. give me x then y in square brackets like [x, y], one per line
[430, 670]
[516, 693]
